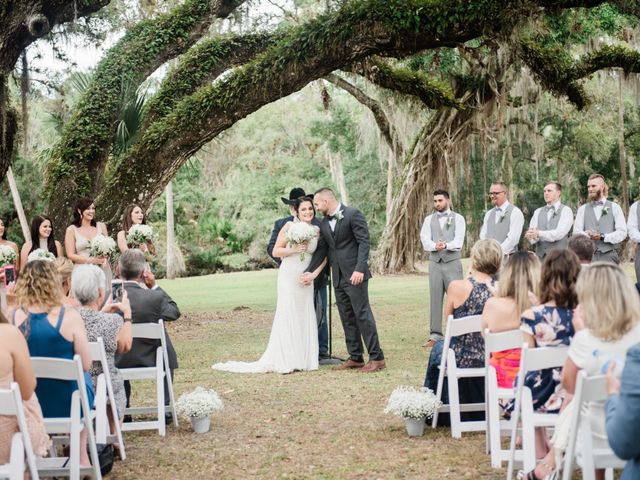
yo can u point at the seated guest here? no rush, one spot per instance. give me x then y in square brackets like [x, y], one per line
[583, 247]
[115, 331]
[51, 330]
[468, 297]
[622, 410]
[148, 305]
[519, 282]
[15, 366]
[65, 269]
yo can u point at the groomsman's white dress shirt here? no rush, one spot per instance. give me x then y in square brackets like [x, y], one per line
[619, 222]
[510, 243]
[632, 224]
[564, 223]
[454, 245]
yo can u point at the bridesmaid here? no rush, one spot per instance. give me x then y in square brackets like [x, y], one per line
[42, 236]
[78, 235]
[133, 215]
[4, 241]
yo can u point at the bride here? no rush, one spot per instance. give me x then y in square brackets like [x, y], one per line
[293, 344]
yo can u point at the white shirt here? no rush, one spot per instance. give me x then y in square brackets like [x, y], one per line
[632, 223]
[564, 223]
[458, 239]
[333, 221]
[619, 222]
[515, 227]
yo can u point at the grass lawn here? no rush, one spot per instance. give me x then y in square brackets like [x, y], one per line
[318, 425]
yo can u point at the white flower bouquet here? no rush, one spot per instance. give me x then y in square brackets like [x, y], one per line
[298, 233]
[198, 404]
[41, 254]
[139, 234]
[102, 246]
[411, 402]
[8, 256]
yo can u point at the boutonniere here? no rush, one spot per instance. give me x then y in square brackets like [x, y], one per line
[502, 216]
[605, 210]
[339, 215]
[449, 223]
[555, 213]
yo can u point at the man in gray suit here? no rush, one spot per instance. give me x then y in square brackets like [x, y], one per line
[442, 235]
[149, 303]
[344, 239]
[549, 227]
[601, 220]
[504, 222]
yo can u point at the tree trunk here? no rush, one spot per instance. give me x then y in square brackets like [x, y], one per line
[171, 239]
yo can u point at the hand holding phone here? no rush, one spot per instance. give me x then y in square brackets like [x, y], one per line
[116, 291]
[9, 274]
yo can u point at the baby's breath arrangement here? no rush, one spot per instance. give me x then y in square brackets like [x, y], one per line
[102, 246]
[41, 254]
[8, 255]
[198, 404]
[411, 402]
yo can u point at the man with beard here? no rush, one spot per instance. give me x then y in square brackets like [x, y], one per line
[550, 225]
[601, 220]
[442, 236]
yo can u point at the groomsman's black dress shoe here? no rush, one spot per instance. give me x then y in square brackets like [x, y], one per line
[349, 364]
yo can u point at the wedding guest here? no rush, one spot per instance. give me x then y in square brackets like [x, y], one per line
[64, 267]
[504, 222]
[42, 237]
[134, 215]
[518, 286]
[583, 247]
[51, 330]
[550, 225]
[550, 325]
[442, 236]
[15, 366]
[148, 305]
[602, 221]
[115, 330]
[633, 227]
[622, 410]
[3, 241]
[468, 297]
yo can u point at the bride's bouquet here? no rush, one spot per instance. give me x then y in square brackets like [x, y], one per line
[8, 255]
[41, 254]
[139, 234]
[298, 233]
[102, 246]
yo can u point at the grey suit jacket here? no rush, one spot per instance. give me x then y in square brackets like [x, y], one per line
[347, 247]
[148, 306]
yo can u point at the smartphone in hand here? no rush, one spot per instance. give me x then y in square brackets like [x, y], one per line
[9, 274]
[116, 291]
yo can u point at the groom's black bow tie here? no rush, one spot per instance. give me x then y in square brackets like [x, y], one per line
[331, 217]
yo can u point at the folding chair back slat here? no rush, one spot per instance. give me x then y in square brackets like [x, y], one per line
[11, 405]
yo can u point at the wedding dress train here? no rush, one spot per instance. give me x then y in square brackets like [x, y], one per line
[293, 344]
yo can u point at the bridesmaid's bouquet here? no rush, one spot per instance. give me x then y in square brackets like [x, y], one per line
[8, 256]
[41, 254]
[102, 246]
[299, 233]
[139, 234]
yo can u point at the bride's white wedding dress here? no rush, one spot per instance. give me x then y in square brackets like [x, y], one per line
[293, 344]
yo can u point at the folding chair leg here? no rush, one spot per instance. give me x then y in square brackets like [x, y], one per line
[161, 411]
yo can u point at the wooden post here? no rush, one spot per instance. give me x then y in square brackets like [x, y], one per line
[18, 205]
[171, 260]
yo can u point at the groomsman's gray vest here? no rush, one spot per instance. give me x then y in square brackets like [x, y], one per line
[447, 235]
[499, 231]
[542, 248]
[605, 225]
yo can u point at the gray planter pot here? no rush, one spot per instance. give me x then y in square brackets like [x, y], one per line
[415, 426]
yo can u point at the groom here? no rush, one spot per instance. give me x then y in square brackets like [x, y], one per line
[344, 237]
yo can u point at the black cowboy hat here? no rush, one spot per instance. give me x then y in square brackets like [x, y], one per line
[294, 194]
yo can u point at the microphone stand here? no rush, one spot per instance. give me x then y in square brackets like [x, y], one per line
[331, 360]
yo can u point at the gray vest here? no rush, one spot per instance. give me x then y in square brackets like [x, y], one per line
[499, 231]
[542, 248]
[606, 224]
[448, 234]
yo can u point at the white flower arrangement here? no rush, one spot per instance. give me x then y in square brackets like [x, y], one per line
[198, 404]
[102, 246]
[139, 234]
[412, 402]
[8, 255]
[41, 254]
[339, 215]
[298, 233]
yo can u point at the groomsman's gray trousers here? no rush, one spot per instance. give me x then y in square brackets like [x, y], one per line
[637, 263]
[611, 257]
[357, 319]
[440, 275]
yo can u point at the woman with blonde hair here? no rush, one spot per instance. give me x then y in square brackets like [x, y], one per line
[64, 267]
[517, 292]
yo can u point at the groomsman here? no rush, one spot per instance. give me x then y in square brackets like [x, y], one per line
[601, 220]
[504, 222]
[442, 235]
[633, 226]
[550, 225]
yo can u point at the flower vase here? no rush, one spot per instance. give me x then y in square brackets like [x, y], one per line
[415, 426]
[201, 425]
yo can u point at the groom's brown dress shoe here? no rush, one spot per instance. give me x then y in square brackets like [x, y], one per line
[349, 364]
[374, 366]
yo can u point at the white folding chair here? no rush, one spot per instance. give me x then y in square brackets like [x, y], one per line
[455, 328]
[104, 392]
[69, 370]
[11, 405]
[498, 342]
[588, 457]
[152, 331]
[532, 359]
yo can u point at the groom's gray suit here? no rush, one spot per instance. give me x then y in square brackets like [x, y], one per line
[347, 249]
